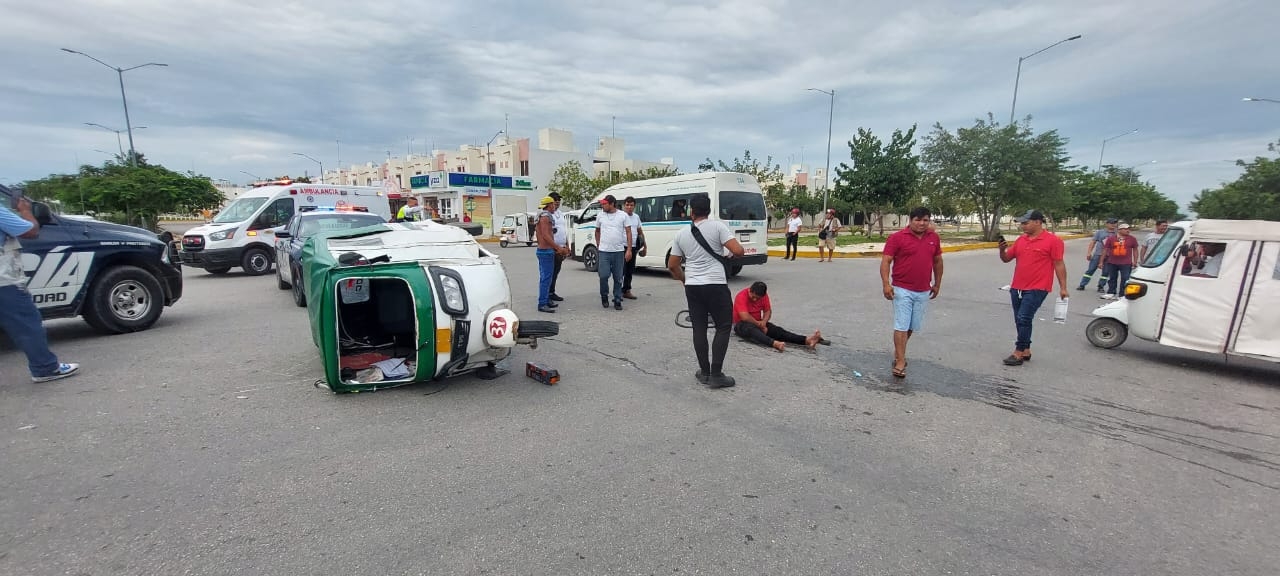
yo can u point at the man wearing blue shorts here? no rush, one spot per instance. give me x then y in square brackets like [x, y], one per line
[911, 272]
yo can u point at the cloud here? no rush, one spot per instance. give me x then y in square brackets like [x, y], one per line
[249, 83]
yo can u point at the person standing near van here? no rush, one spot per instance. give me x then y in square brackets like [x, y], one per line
[793, 234]
[637, 245]
[613, 246]
[561, 238]
[547, 253]
[1095, 257]
[19, 316]
[706, 287]
[1121, 251]
[827, 234]
[1039, 259]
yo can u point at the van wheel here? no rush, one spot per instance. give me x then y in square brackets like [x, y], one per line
[218, 271]
[734, 271]
[528, 244]
[1106, 333]
[299, 295]
[256, 262]
[502, 243]
[537, 329]
[124, 299]
[591, 258]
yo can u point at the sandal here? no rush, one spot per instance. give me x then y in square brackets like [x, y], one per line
[900, 372]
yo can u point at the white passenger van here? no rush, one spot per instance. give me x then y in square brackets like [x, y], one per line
[243, 234]
[663, 206]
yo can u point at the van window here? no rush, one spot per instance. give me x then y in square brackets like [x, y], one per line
[1203, 259]
[1164, 248]
[275, 214]
[239, 210]
[736, 205]
[589, 213]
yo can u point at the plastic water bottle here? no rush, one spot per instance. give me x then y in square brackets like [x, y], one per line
[1060, 311]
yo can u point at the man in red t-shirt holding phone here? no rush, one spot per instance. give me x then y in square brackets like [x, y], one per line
[1039, 255]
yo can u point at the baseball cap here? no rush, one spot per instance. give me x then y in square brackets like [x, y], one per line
[1123, 225]
[1031, 215]
[795, 210]
[545, 201]
[1112, 220]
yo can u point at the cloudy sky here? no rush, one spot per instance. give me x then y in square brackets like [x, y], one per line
[250, 83]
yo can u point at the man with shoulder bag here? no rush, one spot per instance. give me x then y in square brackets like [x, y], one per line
[706, 287]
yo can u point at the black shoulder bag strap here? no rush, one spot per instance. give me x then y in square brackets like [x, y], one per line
[697, 235]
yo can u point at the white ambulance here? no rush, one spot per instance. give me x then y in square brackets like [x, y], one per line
[243, 234]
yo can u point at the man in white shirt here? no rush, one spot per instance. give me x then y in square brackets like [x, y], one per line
[637, 245]
[793, 234]
[706, 288]
[1152, 239]
[561, 238]
[613, 245]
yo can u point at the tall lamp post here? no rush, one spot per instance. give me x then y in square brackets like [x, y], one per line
[1018, 78]
[256, 178]
[826, 174]
[1104, 145]
[489, 171]
[118, 144]
[133, 160]
[1261, 100]
[313, 160]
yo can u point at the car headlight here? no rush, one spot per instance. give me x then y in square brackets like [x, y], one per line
[223, 235]
[453, 293]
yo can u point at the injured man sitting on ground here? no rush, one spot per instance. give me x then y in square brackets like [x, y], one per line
[751, 314]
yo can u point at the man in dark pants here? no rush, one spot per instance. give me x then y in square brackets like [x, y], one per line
[1039, 255]
[19, 317]
[561, 238]
[706, 288]
[638, 247]
[752, 311]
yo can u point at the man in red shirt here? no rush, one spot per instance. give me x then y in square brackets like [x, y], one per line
[1039, 255]
[914, 254]
[751, 313]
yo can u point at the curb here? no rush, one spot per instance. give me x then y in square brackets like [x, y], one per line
[780, 252]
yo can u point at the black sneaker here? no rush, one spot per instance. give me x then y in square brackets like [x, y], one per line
[701, 376]
[556, 298]
[552, 305]
[1081, 287]
[617, 305]
[604, 302]
[719, 381]
[547, 309]
[1012, 361]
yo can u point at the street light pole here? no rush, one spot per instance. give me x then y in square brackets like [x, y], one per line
[826, 174]
[1104, 145]
[1261, 100]
[118, 144]
[133, 156]
[1018, 78]
[313, 160]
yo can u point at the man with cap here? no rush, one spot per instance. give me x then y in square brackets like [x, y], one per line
[547, 252]
[1039, 255]
[562, 241]
[794, 222]
[827, 231]
[1120, 252]
[1094, 255]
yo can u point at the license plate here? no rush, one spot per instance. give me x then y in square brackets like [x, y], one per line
[744, 237]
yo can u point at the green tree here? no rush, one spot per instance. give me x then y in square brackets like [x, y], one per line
[132, 195]
[882, 178]
[997, 168]
[1255, 195]
[766, 172]
[573, 184]
[1114, 192]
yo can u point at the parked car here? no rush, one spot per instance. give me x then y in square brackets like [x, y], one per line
[302, 226]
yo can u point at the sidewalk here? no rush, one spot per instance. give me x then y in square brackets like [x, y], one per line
[876, 249]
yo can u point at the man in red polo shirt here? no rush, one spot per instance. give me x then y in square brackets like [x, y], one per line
[751, 314]
[914, 255]
[1039, 255]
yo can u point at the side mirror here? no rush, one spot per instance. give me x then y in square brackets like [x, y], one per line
[42, 213]
[282, 234]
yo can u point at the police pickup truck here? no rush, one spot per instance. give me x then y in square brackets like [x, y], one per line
[119, 278]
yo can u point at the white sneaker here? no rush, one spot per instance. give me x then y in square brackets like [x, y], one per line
[64, 370]
[1108, 297]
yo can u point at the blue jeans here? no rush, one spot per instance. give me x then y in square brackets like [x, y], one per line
[1094, 264]
[1116, 275]
[21, 321]
[1025, 305]
[612, 264]
[546, 269]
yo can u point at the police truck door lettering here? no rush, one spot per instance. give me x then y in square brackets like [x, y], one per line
[58, 276]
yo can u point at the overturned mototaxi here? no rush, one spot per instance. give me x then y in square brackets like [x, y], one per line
[395, 304]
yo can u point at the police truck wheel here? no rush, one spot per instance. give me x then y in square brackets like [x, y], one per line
[591, 258]
[1106, 332]
[256, 262]
[299, 296]
[218, 271]
[124, 299]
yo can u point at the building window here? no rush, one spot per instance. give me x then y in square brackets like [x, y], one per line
[524, 167]
[491, 167]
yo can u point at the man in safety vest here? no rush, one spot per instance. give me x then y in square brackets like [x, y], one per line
[410, 210]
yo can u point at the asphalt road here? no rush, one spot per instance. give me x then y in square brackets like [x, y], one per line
[201, 446]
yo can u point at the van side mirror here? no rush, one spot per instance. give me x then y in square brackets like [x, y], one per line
[42, 213]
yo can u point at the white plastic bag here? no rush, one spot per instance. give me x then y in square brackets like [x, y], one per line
[1060, 311]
